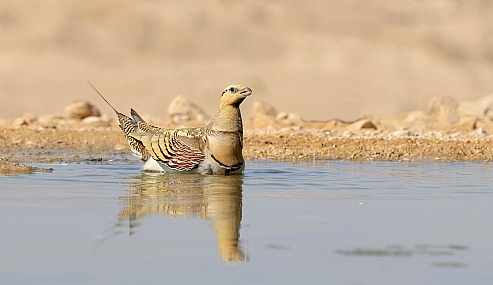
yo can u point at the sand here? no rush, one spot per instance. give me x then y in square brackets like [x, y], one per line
[447, 131]
[27, 144]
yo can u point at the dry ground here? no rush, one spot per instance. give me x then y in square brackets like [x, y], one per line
[27, 144]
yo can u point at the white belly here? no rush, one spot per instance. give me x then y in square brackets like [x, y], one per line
[208, 166]
[152, 165]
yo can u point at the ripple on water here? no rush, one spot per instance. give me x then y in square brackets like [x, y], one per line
[281, 223]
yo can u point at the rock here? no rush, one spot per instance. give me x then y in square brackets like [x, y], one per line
[281, 116]
[17, 122]
[361, 124]
[482, 107]
[14, 168]
[25, 120]
[261, 121]
[263, 108]
[485, 124]
[181, 110]
[466, 123]
[347, 134]
[319, 125]
[334, 124]
[444, 110]
[30, 144]
[479, 132]
[96, 121]
[289, 119]
[489, 113]
[415, 121]
[48, 120]
[264, 115]
[401, 134]
[80, 110]
[30, 118]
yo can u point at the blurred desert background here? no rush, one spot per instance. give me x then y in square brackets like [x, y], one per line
[322, 60]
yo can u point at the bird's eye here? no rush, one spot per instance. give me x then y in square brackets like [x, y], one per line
[233, 90]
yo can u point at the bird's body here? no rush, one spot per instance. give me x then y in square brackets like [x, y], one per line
[213, 149]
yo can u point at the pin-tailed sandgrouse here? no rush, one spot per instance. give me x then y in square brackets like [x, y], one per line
[213, 149]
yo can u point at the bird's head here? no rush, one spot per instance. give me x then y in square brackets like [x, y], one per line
[234, 95]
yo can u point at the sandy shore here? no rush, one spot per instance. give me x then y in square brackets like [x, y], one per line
[448, 131]
[25, 144]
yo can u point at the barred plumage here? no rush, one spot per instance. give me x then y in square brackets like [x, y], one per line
[215, 148]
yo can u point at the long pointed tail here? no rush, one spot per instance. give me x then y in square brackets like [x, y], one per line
[102, 97]
[128, 125]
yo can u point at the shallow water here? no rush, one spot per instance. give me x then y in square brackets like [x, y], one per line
[328, 222]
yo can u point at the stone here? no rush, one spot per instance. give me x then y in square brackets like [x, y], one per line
[30, 144]
[444, 110]
[26, 119]
[482, 107]
[479, 132]
[30, 118]
[96, 121]
[347, 134]
[319, 125]
[485, 124]
[81, 109]
[261, 121]
[281, 116]
[401, 134]
[415, 121]
[263, 108]
[48, 120]
[361, 124]
[181, 110]
[15, 168]
[334, 124]
[466, 123]
[17, 122]
[289, 119]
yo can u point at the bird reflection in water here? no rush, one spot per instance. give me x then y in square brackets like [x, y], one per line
[210, 197]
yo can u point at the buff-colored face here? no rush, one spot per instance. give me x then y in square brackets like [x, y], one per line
[234, 95]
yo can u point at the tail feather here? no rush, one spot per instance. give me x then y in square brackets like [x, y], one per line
[129, 125]
[143, 126]
[102, 97]
[136, 116]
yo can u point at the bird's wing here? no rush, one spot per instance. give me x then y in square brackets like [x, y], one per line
[179, 149]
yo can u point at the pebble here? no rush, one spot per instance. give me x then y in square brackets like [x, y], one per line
[96, 121]
[479, 132]
[401, 133]
[263, 108]
[180, 109]
[362, 124]
[81, 109]
[288, 135]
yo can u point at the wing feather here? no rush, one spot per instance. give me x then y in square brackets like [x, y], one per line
[179, 149]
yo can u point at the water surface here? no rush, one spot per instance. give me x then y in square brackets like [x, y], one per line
[328, 222]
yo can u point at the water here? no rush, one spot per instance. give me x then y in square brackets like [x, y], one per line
[328, 222]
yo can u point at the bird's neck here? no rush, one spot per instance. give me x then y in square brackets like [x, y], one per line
[227, 119]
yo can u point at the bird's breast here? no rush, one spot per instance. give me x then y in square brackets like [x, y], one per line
[226, 147]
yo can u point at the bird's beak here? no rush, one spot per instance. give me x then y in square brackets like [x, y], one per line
[246, 92]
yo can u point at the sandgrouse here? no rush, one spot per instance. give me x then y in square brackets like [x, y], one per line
[213, 149]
